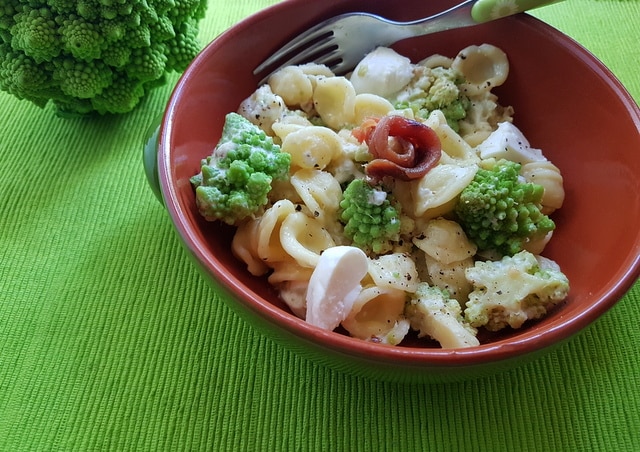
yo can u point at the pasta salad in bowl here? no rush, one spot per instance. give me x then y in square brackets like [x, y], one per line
[400, 197]
[431, 215]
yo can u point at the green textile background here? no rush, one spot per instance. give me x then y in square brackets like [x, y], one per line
[111, 340]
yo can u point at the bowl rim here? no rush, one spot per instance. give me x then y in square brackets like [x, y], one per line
[529, 341]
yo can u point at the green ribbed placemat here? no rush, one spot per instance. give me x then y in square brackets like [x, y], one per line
[111, 340]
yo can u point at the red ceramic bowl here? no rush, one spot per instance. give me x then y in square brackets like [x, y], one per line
[566, 103]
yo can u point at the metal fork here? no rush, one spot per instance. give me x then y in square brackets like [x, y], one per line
[342, 41]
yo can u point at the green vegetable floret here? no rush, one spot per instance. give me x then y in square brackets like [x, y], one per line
[234, 181]
[432, 312]
[90, 56]
[371, 221]
[508, 292]
[437, 89]
[500, 212]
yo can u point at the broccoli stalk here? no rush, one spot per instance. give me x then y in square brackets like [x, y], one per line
[513, 290]
[234, 181]
[499, 212]
[370, 219]
[91, 55]
[432, 312]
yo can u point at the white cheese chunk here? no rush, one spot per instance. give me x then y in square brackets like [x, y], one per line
[382, 72]
[334, 286]
[508, 142]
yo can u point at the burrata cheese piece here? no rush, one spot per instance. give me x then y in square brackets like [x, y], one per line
[508, 142]
[334, 285]
[383, 71]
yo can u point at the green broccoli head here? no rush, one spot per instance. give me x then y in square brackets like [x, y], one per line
[90, 56]
[438, 89]
[235, 180]
[499, 212]
[517, 288]
[371, 221]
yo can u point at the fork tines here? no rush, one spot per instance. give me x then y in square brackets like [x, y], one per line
[315, 45]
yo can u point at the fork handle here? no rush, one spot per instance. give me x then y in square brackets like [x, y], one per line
[487, 10]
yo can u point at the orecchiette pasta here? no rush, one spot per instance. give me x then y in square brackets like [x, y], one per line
[453, 145]
[294, 86]
[484, 67]
[334, 99]
[434, 61]
[377, 315]
[435, 194]
[289, 271]
[445, 241]
[304, 238]
[370, 105]
[320, 192]
[548, 175]
[312, 147]
[450, 277]
[316, 70]
[447, 253]
[289, 123]
[244, 247]
[268, 246]
[396, 271]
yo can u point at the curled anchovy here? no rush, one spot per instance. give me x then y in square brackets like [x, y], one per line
[402, 148]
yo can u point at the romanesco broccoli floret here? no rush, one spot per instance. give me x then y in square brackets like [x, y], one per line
[234, 181]
[371, 221]
[437, 89]
[512, 290]
[93, 55]
[500, 212]
[433, 313]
